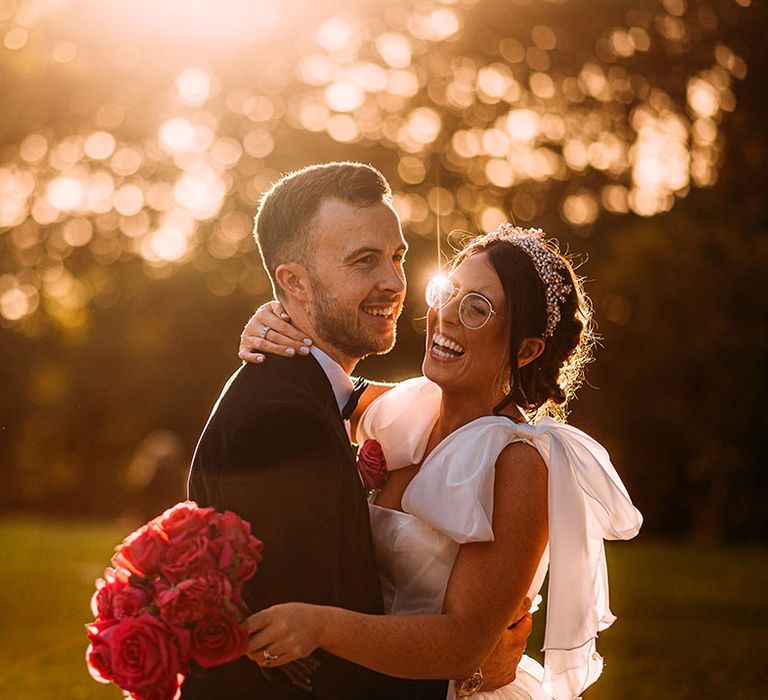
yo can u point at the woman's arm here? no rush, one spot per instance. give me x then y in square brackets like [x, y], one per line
[284, 338]
[488, 582]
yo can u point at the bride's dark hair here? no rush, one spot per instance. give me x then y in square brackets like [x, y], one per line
[544, 386]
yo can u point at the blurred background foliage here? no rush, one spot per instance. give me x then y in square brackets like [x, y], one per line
[136, 138]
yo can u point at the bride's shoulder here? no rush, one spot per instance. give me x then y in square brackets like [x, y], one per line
[520, 455]
[521, 471]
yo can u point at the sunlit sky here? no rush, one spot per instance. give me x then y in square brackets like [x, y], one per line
[165, 131]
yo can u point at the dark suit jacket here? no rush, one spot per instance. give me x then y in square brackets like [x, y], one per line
[275, 451]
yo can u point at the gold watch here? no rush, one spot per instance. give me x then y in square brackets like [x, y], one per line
[469, 686]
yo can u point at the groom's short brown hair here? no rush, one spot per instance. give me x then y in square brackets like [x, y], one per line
[283, 222]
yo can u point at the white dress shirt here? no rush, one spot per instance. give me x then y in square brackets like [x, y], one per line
[340, 382]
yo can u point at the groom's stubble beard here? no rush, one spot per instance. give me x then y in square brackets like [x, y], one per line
[338, 325]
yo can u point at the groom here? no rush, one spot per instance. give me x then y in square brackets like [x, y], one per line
[276, 449]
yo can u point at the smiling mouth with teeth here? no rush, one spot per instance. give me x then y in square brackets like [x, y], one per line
[445, 348]
[387, 312]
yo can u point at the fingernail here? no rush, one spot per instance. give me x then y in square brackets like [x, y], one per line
[307, 341]
[259, 358]
[303, 351]
[290, 351]
[284, 315]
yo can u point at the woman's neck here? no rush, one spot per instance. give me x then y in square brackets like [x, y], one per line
[457, 409]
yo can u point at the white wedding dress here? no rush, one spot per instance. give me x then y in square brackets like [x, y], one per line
[450, 502]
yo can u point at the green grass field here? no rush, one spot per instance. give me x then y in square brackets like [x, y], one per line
[691, 622]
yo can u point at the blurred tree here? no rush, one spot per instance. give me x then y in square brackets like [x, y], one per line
[635, 132]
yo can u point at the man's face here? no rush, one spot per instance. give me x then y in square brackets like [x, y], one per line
[357, 278]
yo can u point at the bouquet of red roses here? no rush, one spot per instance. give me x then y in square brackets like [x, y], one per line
[172, 601]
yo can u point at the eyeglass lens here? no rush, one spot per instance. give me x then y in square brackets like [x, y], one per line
[474, 309]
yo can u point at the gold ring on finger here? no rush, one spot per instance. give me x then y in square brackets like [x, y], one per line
[263, 332]
[269, 658]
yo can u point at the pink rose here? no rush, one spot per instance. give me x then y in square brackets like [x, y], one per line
[217, 639]
[185, 558]
[184, 519]
[147, 655]
[186, 603]
[372, 465]
[141, 552]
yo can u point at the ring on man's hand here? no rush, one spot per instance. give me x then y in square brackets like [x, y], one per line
[263, 332]
[268, 658]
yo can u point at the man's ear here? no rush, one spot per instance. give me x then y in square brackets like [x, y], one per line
[530, 349]
[293, 280]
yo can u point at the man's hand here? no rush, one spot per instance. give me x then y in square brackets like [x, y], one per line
[500, 668]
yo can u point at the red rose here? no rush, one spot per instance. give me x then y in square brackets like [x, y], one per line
[101, 602]
[141, 552]
[184, 518]
[128, 601]
[98, 656]
[171, 691]
[246, 568]
[237, 557]
[185, 558]
[188, 602]
[147, 655]
[372, 465]
[253, 548]
[232, 526]
[217, 639]
[222, 551]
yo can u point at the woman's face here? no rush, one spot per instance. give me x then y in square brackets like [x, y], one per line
[458, 358]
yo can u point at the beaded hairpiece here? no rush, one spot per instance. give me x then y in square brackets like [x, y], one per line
[546, 262]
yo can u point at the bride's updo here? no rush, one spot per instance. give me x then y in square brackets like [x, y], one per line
[545, 299]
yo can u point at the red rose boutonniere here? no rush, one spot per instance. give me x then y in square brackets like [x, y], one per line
[372, 466]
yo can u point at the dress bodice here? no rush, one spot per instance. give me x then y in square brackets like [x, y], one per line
[450, 502]
[415, 562]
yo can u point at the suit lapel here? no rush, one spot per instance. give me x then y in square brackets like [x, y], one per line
[322, 385]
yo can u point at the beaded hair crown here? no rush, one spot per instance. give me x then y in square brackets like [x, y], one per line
[546, 262]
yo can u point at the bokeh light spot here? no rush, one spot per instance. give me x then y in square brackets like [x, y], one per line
[335, 34]
[177, 134]
[580, 209]
[344, 96]
[16, 39]
[100, 145]
[342, 128]
[395, 49]
[64, 52]
[65, 193]
[193, 86]
[33, 148]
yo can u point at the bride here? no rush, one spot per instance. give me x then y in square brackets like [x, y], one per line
[487, 489]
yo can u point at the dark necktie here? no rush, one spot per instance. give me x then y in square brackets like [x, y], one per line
[357, 391]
